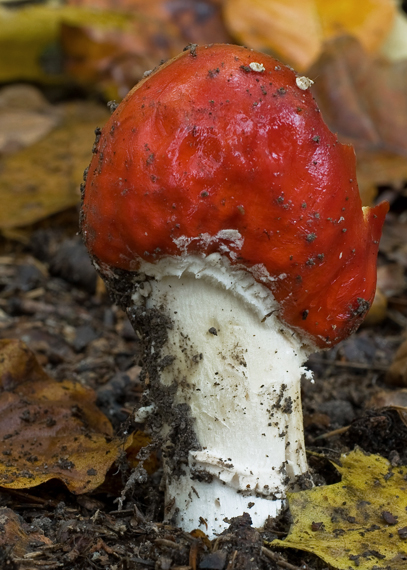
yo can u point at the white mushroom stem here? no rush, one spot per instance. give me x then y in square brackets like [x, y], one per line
[238, 368]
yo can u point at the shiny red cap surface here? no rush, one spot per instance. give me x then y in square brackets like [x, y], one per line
[206, 143]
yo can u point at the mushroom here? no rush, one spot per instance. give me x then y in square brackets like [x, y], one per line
[225, 218]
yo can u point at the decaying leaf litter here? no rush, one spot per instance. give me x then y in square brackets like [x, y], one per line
[50, 299]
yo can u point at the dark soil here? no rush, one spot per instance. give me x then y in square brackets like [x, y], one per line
[50, 298]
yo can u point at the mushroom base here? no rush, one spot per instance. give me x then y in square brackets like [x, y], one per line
[218, 503]
[229, 372]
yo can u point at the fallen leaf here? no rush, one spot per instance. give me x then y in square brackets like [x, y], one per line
[23, 128]
[114, 59]
[391, 279]
[378, 310]
[44, 178]
[25, 117]
[50, 429]
[195, 22]
[15, 538]
[103, 46]
[362, 98]
[396, 399]
[290, 30]
[295, 31]
[397, 373]
[394, 240]
[395, 45]
[24, 97]
[377, 168]
[140, 441]
[30, 37]
[387, 399]
[358, 523]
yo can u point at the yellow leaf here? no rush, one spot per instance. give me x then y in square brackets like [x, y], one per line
[296, 30]
[368, 20]
[289, 29]
[395, 46]
[359, 523]
[44, 178]
[31, 39]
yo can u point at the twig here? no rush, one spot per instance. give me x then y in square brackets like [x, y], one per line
[31, 499]
[332, 433]
[142, 561]
[44, 564]
[231, 563]
[275, 557]
[169, 543]
[123, 513]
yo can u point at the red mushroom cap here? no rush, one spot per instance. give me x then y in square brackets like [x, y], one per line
[209, 142]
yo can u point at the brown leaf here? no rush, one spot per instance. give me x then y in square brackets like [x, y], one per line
[295, 31]
[378, 311]
[49, 429]
[377, 168]
[14, 537]
[25, 117]
[195, 21]
[394, 240]
[113, 59]
[386, 399]
[390, 279]
[363, 98]
[139, 441]
[44, 178]
[394, 400]
[397, 373]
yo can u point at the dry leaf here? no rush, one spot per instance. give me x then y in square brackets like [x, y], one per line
[396, 399]
[139, 441]
[359, 523]
[195, 21]
[50, 429]
[19, 129]
[394, 240]
[288, 29]
[386, 399]
[23, 97]
[14, 537]
[25, 117]
[115, 59]
[395, 45]
[30, 37]
[397, 373]
[390, 279]
[362, 98]
[295, 31]
[44, 178]
[378, 311]
[379, 169]
[104, 46]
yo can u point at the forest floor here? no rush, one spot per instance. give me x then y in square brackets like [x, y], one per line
[49, 299]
